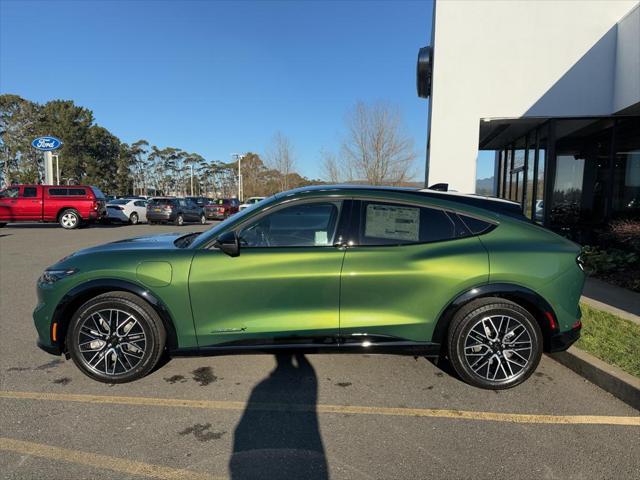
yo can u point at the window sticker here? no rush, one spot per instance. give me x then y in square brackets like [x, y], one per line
[321, 238]
[397, 223]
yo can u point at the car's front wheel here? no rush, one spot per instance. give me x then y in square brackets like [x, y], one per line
[116, 337]
[203, 219]
[494, 343]
[179, 220]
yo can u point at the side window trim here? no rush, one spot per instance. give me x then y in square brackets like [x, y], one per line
[345, 209]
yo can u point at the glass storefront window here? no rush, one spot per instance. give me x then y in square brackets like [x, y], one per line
[538, 203]
[626, 172]
[528, 191]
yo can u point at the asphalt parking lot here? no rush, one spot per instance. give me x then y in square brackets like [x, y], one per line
[258, 416]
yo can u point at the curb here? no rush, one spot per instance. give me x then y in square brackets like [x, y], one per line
[618, 383]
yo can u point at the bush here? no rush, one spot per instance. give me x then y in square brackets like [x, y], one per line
[598, 261]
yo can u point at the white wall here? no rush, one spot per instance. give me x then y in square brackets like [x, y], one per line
[496, 59]
[627, 76]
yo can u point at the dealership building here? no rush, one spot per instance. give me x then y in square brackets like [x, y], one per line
[552, 91]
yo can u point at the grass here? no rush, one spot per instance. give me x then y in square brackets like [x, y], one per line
[612, 339]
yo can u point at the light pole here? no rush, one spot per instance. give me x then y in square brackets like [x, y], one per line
[191, 165]
[239, 158]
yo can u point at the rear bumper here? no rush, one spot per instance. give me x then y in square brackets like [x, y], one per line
[160, 217]
[559, 342]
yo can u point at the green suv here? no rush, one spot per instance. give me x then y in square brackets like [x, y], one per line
[326, 269]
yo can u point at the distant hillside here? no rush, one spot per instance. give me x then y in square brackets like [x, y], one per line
[484, 186]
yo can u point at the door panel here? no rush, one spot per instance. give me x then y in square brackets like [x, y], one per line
[29, 204]
[266, 295]
[400, 291]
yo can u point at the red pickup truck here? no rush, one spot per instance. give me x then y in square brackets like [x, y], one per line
[69, 205]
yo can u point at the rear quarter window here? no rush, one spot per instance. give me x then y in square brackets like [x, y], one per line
[475, 225]
[58, 192]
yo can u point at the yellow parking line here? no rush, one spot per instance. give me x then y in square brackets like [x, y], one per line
[351, 409]
[95, 460]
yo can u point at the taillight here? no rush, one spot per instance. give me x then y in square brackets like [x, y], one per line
[94, 205]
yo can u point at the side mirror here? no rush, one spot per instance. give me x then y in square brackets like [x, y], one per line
[229, 243]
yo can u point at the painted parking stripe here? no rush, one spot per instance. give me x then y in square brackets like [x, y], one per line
[339, 409]
[94, 460]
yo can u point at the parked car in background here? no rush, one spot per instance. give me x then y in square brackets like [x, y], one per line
[201, 201]
[335, 269]
[70, 206]
[222, 208]
[250, 201]
[175, 210]
[127, 210]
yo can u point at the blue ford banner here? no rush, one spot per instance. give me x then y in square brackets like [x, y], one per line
[46, 143]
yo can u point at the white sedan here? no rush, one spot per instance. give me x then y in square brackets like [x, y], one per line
[127, 210]
[250, 201]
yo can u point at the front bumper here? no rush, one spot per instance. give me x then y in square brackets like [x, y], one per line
[51, 349]
[559, 342]
[215, 215]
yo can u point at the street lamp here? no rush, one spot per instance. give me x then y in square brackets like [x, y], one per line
[239, 158]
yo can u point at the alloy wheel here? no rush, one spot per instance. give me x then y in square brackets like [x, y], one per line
[69, 220]
[498, 348]
[111, 342]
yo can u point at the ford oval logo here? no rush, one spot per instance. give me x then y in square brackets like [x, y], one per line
[46, 144]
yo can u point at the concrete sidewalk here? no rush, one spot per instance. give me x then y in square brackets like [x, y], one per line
[609, 298]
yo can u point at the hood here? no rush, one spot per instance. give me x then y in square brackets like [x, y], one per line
[162, 241]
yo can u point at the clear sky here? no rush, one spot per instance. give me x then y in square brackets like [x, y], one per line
[217, 78]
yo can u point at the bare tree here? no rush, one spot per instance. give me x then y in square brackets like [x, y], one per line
[280, 157]
[331, 169]
[375, 147]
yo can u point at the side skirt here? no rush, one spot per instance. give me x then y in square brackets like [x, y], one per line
[426, 349]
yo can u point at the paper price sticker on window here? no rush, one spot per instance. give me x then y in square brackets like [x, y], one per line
[397, 223]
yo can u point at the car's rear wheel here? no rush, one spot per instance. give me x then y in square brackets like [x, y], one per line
[115, 337]
[133, 218]
[494, 343]
[179, 220]
[203, 219]
[69, 219]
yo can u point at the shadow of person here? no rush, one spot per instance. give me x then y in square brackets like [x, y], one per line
[278, 435]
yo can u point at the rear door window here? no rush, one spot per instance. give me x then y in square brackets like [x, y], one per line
[30, 192]
[383, 223]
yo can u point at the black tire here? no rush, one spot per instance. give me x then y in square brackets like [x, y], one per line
[470, 344]
[133, 218]
[203, 220]
[147, 323]
[69, 219]
[179, 220]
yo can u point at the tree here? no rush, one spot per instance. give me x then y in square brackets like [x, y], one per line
[331, 169]
[140, 162]
[375, 147]
[280, 157]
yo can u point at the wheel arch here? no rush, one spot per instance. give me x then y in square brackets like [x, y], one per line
[80, 294]
[61, 210]
[523, 296]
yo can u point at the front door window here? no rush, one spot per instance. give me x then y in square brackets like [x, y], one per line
[301, 225]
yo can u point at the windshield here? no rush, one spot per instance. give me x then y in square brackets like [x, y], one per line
[236, 218]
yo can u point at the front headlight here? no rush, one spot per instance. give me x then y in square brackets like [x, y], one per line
[50, 277]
